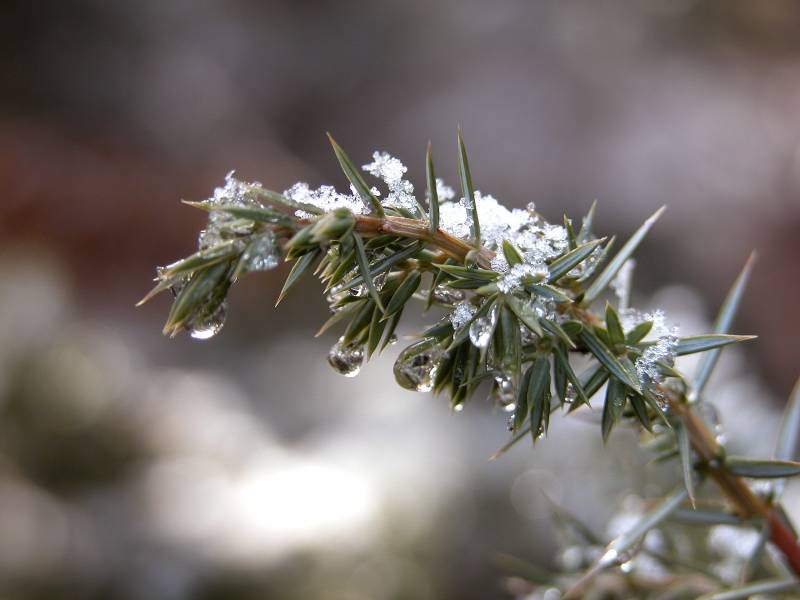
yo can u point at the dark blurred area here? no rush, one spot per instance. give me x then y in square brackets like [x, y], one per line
[132, 466]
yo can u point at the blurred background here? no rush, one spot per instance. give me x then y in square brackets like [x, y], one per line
[133, 467]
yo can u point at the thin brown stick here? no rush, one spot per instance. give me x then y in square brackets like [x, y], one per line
[746, 502]
[418, 230]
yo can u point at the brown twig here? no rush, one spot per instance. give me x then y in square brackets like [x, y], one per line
[735, 489]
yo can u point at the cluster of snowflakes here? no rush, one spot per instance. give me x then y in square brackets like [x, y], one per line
[391, 171]
[383, 166]
[326, 198]
[513, 279]
[537, 240]
[663, 350]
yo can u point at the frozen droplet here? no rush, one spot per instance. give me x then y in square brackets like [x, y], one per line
[346, 359]
[503, 392]
[359, 291]
[445, 295]
[208, 326]
[416, 367]
[262, 253]
[208, 238]
[482, 328]
[462, 313]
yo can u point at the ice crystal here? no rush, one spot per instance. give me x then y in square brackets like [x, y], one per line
[391, 171]
[519, 274]
[462, 313]
[499, 263]
[444, 191]
[326, 198]
[630, 318]
[662, 351]
[221, 225]
[537, 240]
[262, 253]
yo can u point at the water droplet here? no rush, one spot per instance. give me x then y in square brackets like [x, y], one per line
[380, 280]
[719, 435]
[482, 328]
[392, 340]
[627, 566]
[571, 394]
[708, 412]
[208, 326]
[445, 295]
[458, 408]
[503, 392]
[346, 359]
[416, 367]
[510, 422]
[551, 594]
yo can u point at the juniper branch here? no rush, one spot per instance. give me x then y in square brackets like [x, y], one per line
[520, 297]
